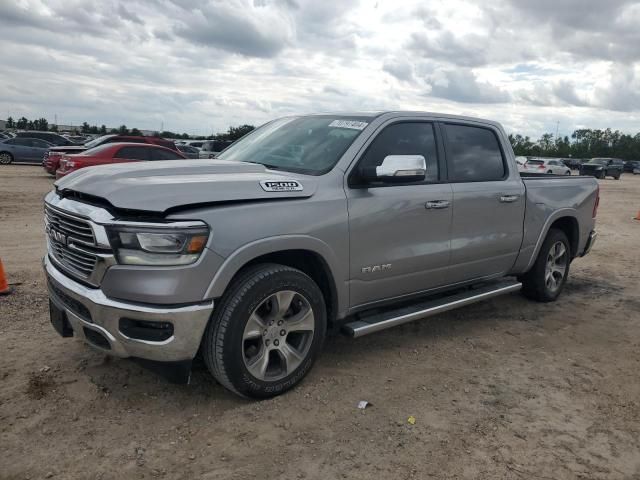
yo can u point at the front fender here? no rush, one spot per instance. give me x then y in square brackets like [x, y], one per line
[250, 251]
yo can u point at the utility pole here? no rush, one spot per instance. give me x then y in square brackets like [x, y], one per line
[557, 128]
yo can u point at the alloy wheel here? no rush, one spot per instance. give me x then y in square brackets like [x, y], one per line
[278, 335]
[556, 266]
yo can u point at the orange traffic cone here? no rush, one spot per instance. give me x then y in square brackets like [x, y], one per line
[5, 289]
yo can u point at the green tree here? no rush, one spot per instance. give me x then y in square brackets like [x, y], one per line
[123, 130]
[136, 132]
[103, 130]
[11, 123]
[22, 123]
[53, 128]
[41, 124]
[85, 127]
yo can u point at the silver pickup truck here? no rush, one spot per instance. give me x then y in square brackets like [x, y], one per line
[309, 224]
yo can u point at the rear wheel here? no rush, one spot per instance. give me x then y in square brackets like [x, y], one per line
[568, 172]
[5, 158]
[546, 279]
[266, 332]
[549, 171]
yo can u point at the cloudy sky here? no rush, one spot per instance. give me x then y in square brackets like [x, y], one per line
[202, 65]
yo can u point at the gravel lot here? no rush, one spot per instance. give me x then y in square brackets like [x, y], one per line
[503, 389]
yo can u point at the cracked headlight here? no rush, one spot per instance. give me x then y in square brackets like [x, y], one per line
[158, 246]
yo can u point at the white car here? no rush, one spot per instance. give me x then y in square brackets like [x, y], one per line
[554, 166]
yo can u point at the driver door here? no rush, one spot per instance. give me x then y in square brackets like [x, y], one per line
[399, 242]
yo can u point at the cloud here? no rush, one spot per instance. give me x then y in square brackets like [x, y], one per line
[201, 65]
[463, 86]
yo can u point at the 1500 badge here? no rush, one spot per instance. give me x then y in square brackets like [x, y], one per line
[281, 186]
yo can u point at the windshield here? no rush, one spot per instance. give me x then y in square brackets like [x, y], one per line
[97, 141]
[311, 145]
[599, 161]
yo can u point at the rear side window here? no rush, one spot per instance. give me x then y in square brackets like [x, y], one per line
[411, 138]
[128, 140]
[133, 153]
[474, 154]
[159, 154]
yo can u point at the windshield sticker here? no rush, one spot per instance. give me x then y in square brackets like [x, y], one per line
[281, 186]
[353, 124]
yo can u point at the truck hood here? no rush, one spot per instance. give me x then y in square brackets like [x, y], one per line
[159, 186]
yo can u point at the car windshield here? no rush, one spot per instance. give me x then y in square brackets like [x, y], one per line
[310, 145]
[97, 141]
[599, 161]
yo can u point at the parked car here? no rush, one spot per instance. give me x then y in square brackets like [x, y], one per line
[115, 153]
[307, 223]
[197, 144]
[51, 137]
[211, 148]
[631, 165]
[22, 149]
[572, 163]
[553, 166]
[52, 158]
[188, 151]
[603, 167]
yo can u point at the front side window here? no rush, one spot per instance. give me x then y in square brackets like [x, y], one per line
[310, 145]
[474, 154]
[410, 138]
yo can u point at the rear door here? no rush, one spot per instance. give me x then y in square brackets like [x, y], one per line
[399, 244]
[488, 203]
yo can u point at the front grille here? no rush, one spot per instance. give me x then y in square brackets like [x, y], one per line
[70, 241]
[70, 225]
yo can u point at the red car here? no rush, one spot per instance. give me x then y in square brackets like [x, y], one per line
[52, 157]
[115, 153]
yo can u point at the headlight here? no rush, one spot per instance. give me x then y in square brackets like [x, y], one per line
[163, 246]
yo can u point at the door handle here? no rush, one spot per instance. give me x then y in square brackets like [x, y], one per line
[437, 204]
[509, 198]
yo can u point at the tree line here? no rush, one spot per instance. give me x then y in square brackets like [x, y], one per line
[41, 124]
[583, 143]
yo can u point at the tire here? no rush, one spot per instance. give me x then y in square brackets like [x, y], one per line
[549, 172]
[568, 172]
[602, 175]
[245, 332]
[618, 176]
[535, 283]
[5, 158]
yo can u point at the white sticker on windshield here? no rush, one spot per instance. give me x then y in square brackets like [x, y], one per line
[354, 124]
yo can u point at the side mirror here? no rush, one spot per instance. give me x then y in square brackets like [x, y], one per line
[401, 169]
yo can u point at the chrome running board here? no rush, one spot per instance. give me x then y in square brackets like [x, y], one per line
[381, 321]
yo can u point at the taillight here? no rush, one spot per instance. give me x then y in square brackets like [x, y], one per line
[540, 167]
[595, 206]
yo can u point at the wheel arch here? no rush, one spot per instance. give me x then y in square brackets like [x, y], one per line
[564, 220]
[309, 255]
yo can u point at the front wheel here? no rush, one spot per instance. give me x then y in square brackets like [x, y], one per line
[602, 175]
[546, 279]
[266, 332]
[6, 158]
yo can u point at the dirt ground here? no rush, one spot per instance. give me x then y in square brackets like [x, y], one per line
[506, 389]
